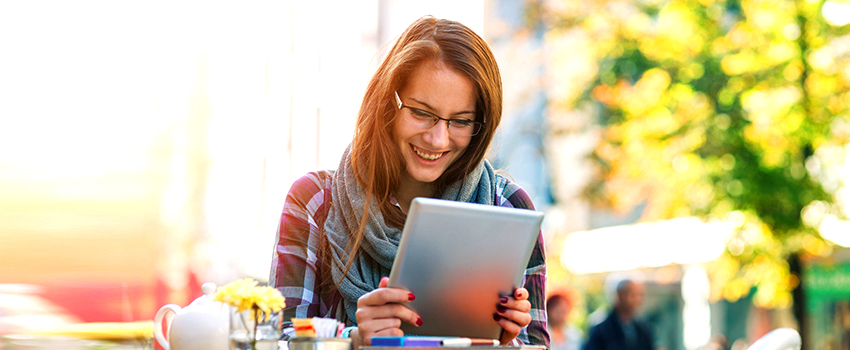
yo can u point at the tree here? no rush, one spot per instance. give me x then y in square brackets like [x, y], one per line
[729, 110]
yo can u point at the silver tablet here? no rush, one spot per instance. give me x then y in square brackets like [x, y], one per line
[457, 259]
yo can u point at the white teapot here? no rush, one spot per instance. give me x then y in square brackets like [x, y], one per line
[202, 325]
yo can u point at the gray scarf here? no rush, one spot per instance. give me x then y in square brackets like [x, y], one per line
[380, 242]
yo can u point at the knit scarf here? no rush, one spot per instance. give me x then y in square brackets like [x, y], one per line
[377, 250]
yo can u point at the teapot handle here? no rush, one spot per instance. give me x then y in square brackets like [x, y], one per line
[157, 324]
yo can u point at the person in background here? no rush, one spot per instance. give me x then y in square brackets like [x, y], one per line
[621, 330]
[426, 121]
[562, 334]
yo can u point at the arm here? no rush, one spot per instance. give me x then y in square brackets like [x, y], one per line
[535, 284]
[534, 280]
[295, 259]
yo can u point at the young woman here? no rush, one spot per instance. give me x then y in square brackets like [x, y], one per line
[426, 121]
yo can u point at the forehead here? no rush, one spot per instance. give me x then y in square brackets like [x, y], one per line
[433, 82]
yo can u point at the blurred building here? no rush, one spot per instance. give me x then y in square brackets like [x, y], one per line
[154, 143]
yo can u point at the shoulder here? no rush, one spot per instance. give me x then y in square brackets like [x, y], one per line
[311, 190]
[314, 181]
[607, 324]
[510, 194]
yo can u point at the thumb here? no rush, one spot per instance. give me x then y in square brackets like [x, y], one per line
[384, 282]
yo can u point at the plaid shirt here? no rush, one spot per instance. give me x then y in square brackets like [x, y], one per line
[300, 274]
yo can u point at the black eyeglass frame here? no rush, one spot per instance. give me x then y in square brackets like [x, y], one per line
[476, 125]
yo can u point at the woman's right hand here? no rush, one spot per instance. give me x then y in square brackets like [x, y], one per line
[381, 311]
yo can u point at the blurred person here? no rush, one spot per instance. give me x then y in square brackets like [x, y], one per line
[426, 121]
[562, 334]
[621, 330]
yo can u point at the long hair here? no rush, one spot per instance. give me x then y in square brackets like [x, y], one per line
[377, 163]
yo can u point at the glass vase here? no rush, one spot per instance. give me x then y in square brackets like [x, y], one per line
[248, 334]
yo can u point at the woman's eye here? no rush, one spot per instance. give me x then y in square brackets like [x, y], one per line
[420, 113]
[462, 122]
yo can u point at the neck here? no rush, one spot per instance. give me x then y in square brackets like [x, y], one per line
[409, 189]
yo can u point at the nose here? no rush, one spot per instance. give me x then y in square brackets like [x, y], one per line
[438, 135]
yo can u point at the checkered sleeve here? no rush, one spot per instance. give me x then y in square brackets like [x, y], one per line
[534, 279]
[295, 259]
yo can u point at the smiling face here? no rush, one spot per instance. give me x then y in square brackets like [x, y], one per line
[428, 152]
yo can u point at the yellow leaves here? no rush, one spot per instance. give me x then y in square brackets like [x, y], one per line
[776, 119]
[740, 63]
[766, 14]
[781, 52]
[636, 26]
[636, 100]
[753, 260]
[691, 72]
[655, 80]
[244, 294]
[815, 245]
[677, 35]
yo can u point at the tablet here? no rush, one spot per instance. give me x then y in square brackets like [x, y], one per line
[457, 259]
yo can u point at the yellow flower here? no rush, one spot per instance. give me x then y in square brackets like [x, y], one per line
[244, 294]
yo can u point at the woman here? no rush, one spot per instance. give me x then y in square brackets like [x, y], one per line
[563, 335]
[426, 121]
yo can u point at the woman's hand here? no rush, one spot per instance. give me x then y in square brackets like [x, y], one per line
[381, 311]
[512, 313]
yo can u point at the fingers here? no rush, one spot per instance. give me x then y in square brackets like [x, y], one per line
[521, 294]
[512, 314]
[394, 311]
[380, 325]
[520, 318]
[383, 296]
[381, 312]
[510, 329]
[518, 302]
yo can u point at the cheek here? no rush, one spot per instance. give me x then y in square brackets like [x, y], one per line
[463, 144]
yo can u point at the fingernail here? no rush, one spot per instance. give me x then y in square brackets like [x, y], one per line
[501, 308]
[503, 299]
[497, 317]
[410, 297]
[418, 322]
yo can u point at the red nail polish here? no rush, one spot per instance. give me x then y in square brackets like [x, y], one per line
[501, 309]
[410, 297]
[496, 317]
[418, 320]
[503, 299]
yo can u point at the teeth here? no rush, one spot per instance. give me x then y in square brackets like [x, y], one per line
[426, 155]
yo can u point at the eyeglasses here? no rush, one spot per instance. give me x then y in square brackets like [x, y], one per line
[426, 120]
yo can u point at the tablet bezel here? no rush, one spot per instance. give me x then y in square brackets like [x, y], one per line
[485, 250]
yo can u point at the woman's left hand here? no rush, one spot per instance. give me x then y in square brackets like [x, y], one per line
[512, 313]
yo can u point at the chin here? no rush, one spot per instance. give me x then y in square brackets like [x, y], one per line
[426, 178]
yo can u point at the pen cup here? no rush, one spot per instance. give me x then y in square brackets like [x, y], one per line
[302, 343]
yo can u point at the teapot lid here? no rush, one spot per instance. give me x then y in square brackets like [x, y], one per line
[208, 289]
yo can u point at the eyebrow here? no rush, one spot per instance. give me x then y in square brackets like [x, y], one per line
[434, 109]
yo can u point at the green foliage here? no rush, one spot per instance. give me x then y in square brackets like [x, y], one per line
[716, 109]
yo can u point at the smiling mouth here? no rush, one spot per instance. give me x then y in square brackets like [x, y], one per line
[428, 156]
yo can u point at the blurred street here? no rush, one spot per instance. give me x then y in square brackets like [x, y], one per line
[699, 148]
